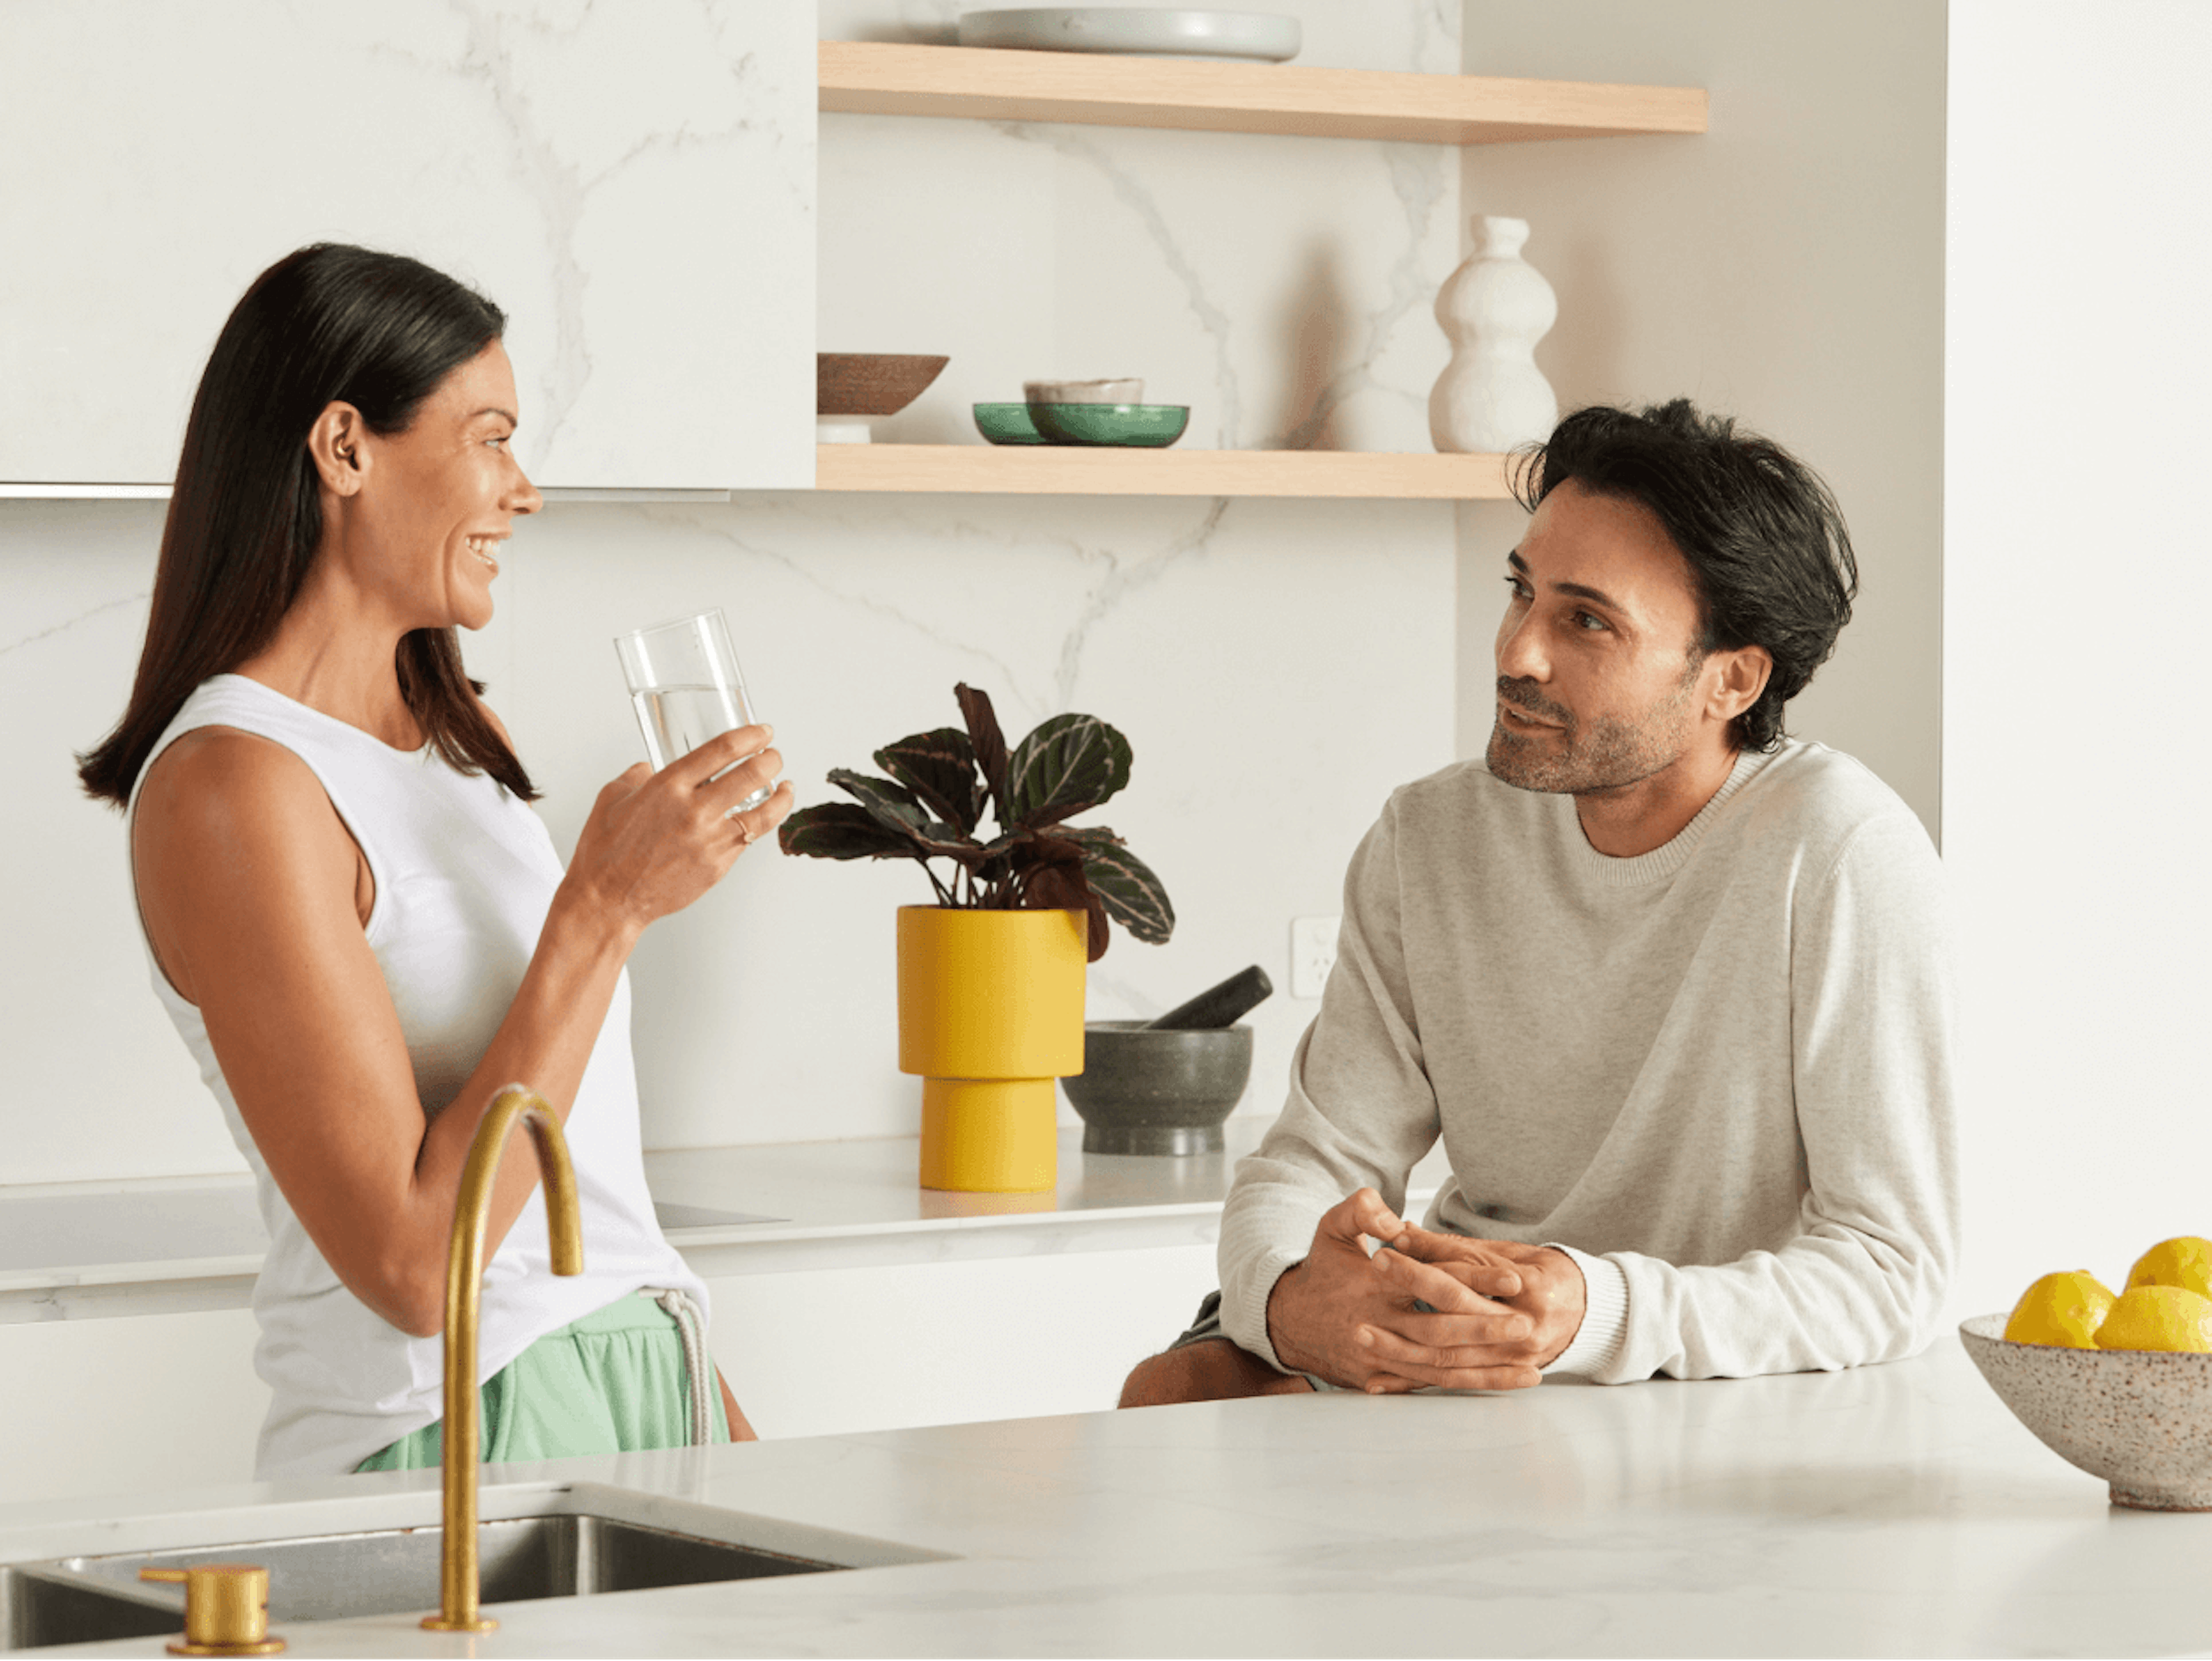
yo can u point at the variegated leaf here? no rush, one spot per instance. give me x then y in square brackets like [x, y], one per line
[939, 768]
[893, 805]
[988, 743]
[842, 830]
[1070, 763]
[1134, 895]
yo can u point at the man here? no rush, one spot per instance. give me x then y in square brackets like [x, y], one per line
[1674, 990]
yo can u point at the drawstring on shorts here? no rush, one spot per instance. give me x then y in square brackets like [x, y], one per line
[692, 1326]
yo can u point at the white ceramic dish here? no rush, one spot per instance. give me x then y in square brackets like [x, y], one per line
[1142, 31]
[1125, 391]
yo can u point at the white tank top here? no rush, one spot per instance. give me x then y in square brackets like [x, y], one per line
[464, 873]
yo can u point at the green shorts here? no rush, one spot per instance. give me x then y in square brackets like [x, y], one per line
[614, 1382]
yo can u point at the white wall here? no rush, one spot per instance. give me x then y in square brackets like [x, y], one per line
[1786, 268]
[2078, 352]
[1277, 666]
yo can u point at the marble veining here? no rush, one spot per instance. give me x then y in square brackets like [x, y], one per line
[1085, 146]
[1278, 667]
[1121, 579]
[61, 628]
[632, 184]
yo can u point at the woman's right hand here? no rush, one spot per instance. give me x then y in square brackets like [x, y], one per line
[656, 841]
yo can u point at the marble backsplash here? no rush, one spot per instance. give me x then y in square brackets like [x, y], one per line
[633, 185]
[1278, 665]
[1280, 286]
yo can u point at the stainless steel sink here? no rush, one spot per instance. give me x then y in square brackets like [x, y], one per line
[557, 1552]
[36, 1610]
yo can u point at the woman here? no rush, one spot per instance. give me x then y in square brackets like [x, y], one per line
[360, 928]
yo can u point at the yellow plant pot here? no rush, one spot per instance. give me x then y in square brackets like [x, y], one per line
[990, 1014]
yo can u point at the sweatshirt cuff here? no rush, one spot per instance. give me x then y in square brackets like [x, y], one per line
[1244, 1319]
[1605, 1318]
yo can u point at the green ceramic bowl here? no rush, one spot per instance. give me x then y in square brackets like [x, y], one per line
[1007, 423]
[1152, 426]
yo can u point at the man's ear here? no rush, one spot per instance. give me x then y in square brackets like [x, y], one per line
[335, 443]
[1743, 676]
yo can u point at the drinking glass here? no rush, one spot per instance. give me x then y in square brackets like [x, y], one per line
[686, 687]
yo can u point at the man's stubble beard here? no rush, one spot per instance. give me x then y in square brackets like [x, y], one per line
[1612, 755]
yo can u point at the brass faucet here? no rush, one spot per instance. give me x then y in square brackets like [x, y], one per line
[457, 1584]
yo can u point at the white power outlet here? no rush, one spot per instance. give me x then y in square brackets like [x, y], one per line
[1313, 954]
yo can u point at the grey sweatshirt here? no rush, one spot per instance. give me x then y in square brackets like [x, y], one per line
[1720, 1074]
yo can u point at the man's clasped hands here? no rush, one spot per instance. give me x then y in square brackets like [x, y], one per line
[1426, 1310]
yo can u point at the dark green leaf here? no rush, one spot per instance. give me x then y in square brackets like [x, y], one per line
[842, 830]
[893, 805]
[1134, 897]
[939, 768]
[990, 744]
[895, 808]
[1068, 763]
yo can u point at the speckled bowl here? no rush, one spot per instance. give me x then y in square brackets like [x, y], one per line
[2140, 1419]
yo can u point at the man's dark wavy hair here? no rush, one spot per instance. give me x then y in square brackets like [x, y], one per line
[1762, 532]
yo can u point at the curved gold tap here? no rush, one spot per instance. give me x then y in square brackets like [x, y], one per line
[458, 1583]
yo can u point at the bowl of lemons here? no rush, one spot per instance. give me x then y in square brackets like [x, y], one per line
[2119, 1385]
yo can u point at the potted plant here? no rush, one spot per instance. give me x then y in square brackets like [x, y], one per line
[990, 978]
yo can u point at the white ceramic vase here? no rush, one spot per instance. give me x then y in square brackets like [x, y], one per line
[1493, 309]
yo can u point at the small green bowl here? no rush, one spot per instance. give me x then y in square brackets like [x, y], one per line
[1007, 423]
[1150, 426]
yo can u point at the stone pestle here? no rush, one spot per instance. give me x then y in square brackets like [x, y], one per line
[1218, 1006]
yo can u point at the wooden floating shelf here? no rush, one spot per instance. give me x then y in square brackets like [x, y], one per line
[1071, 470]
[869, 77]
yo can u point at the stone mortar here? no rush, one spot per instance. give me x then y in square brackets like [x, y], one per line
[1142, 1091]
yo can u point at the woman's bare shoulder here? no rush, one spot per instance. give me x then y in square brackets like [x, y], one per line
[219, 797]
[213, 774]
[234, 839]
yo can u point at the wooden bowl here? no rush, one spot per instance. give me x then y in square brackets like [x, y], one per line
[871, 383]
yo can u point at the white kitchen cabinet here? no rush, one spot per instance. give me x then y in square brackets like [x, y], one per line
[130, 1402]
[633, 185]
[845, 1298]
[114, 1406]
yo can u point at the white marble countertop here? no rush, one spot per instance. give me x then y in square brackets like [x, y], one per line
[168, 1247]
[1890, 1510]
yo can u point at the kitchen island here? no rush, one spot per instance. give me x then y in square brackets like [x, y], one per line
[1889, 1509]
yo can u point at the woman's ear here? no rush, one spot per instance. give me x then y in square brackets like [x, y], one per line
[335, 442]
[1743, 676]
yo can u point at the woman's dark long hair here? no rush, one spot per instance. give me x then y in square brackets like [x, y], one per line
[328, 323]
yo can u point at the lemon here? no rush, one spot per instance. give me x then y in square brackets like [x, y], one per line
[2064, 1309]
[2186, 1262]
[2158, 1317]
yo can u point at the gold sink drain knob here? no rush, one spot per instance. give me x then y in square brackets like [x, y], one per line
[226, 1609]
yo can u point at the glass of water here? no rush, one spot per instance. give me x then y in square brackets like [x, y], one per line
[685, 685]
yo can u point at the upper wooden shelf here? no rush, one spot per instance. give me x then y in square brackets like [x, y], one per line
[871, 77]
[1072, 470]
